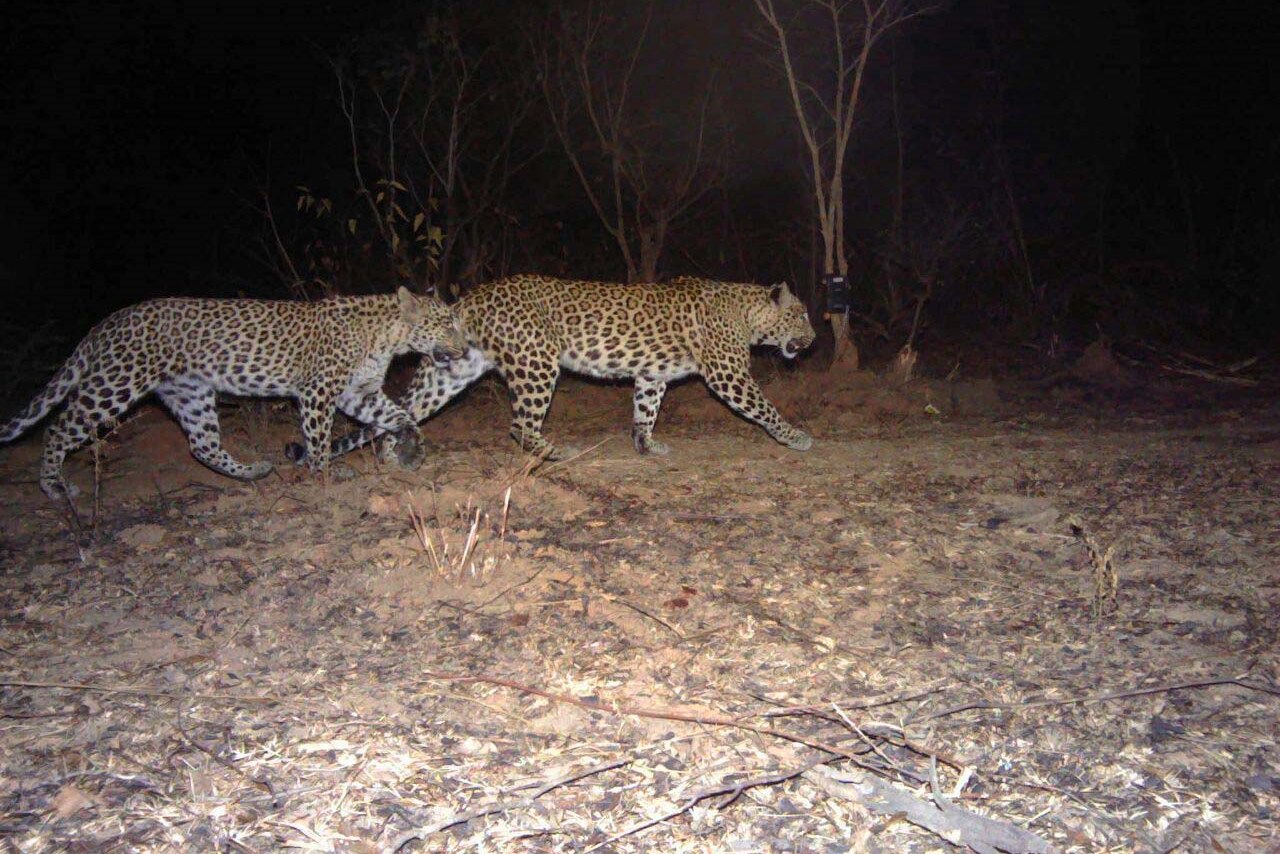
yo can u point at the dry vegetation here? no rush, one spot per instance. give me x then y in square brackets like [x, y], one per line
[1033, 623]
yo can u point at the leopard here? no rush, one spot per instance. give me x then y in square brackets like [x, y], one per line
[327, 354]
[531, 327]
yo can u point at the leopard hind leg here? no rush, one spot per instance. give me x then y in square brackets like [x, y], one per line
[95, 403]
[194, 403]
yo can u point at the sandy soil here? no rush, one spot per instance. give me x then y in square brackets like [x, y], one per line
[600, 654]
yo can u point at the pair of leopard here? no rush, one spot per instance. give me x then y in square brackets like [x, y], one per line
[327, 354]
[530, 327]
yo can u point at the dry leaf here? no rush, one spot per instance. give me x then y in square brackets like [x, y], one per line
[70, 801]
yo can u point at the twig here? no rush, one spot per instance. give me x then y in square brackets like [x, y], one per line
[261, 781]
[594, 705]
[1106, 582]
[502, 806]
[470, 544]
[486, 603]
[1104, 698]
[733, 790]
[712, 517]
[506, 510]
[231, 637]
[657, 714]
[1221, 374]
[1209, 375]
[642, 612]
[873, 703]
[576, 456]
[875, 748]
[129, 689]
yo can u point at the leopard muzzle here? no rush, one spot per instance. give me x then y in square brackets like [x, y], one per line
[443, 355]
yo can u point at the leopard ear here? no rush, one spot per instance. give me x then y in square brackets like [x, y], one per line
[781, 294]
[410, 307]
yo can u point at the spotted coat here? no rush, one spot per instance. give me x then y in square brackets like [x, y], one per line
[531, 327]
[327, 354]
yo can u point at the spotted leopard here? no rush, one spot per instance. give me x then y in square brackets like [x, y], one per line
[530, 327]
[329, 353]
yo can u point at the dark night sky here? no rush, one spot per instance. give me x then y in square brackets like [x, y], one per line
[136, 126]
[135, 131]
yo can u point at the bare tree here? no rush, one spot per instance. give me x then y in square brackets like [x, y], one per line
[640, 175]
[472, 136]
[826, 101]
[436, 129]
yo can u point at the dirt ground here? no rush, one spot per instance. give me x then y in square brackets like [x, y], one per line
[729, 649]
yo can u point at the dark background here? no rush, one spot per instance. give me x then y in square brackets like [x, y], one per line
[1140, 139]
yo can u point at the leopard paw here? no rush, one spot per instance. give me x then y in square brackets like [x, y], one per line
[801, 441]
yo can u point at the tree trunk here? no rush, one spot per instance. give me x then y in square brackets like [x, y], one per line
[845, 355]
[651, 240]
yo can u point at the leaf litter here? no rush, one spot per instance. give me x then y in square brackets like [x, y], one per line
[1043, 627]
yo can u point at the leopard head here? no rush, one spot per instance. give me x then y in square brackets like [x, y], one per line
[784, 322]
[434, 328]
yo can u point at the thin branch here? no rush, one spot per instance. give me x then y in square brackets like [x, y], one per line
[135, 690]
[641, 712]
[503, 806]
[347, 104]
[732, 790]
[295, 282]
[1107, 697]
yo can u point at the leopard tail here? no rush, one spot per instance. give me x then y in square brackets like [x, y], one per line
[62, 384]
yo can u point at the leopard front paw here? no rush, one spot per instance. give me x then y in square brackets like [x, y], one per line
[408, 449]
[646, 445]
[58, 489]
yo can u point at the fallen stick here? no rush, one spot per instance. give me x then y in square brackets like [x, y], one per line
[424, 831]
[732, 790]
[137, 691]
[657, 714]
[1210, 376]
[956, 825]
[852, 705]
[1104, 698]
[952, 823]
